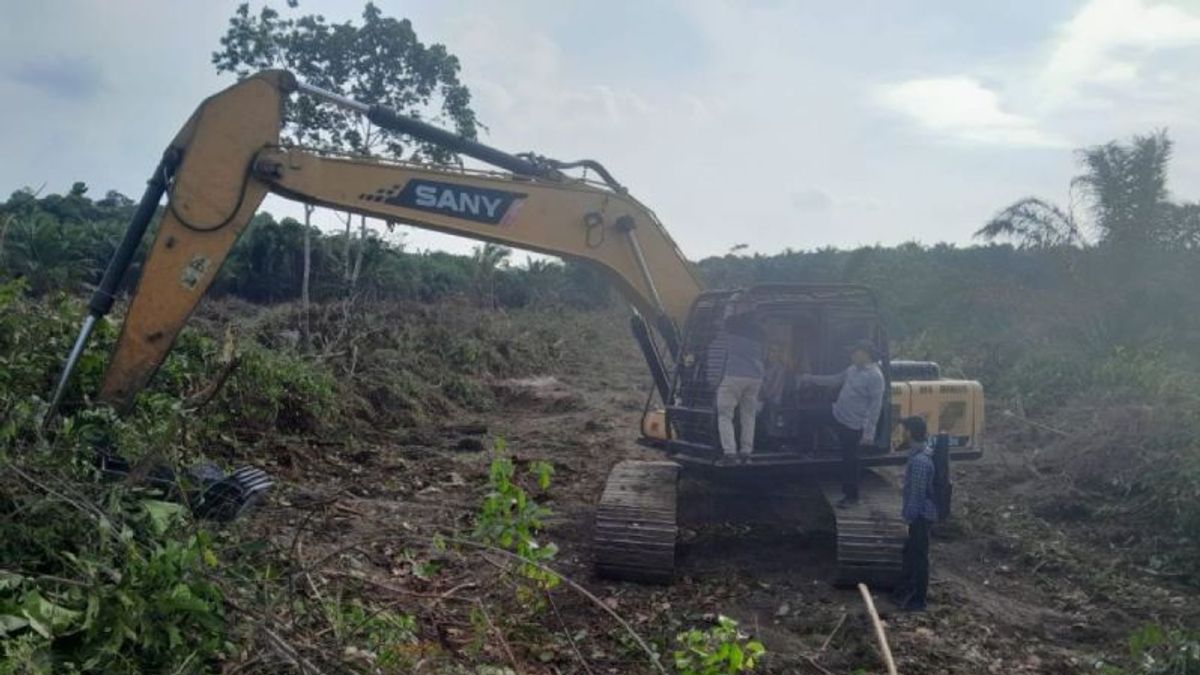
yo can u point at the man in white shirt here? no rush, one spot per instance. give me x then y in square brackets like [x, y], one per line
[855, 413]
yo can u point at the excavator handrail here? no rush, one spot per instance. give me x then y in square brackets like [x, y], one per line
[565, 182]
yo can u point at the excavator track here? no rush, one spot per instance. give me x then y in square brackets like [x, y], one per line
[870, 534]
[634, 538]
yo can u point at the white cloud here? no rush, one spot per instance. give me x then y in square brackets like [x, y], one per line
[518, 70]
[811, 200]
[1101, 55]
[962, 109]
[1105, 43]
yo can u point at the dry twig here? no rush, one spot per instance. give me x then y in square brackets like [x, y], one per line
[578, 589]
[499, 636]
[575, 586]
[813, 662]
[884, 650]
[289, 653]
[567, 632]
[825, 644]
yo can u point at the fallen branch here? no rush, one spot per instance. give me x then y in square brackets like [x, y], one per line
[577, 588]
[884, 649]
[289, 653]
[1036, 425]
[813, 662]
[812, 658]
[825, 644]
[82, 505]
[654, 660]
[567, 632]
[436, 597]
[499, 635]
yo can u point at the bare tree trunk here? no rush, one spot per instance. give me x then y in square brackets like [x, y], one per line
[348, 242]
[305, 328]
[362, 247]
[4, 235]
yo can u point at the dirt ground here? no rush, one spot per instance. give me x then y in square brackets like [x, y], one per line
[1022, 582]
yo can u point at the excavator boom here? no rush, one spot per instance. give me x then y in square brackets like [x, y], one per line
[228, 157]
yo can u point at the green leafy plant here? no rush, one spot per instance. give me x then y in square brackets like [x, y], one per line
[1154, 650]
[510, 519]
[386, 638]
[135, 598]
[719, 650]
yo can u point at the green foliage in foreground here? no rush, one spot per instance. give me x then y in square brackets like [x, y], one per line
[1154, 650]
[128, 594]
[510, 519]
[720, 650]
[98, 577]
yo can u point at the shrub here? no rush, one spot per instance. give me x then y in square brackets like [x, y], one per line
[509, 519]
[719, 650]
[128, 594]
[1154, 650]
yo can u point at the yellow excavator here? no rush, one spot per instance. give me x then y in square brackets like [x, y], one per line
[228, 156]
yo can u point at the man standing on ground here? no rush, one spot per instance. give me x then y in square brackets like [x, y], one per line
[740, 381]
[920, 512]
[855, 413]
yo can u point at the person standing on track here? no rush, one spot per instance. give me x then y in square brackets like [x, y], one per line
[855, 413]
[920, 512]
[741, 380]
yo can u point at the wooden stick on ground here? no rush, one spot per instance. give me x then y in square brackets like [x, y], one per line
[884, 649]
[825, 644]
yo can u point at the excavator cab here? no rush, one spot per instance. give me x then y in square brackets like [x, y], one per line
[807, 329]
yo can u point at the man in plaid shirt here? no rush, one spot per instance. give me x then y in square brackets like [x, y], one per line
[920, 512]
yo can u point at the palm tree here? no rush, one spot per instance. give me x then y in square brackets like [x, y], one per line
[486, 260]
[1125, 187]
[1033, 223]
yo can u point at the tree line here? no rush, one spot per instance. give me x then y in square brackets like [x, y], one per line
[63, 242]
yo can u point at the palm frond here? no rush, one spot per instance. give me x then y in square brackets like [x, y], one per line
[1033, 223]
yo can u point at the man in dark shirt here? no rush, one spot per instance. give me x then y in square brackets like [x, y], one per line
[920, 512]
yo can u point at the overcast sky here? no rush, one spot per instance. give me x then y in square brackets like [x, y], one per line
[769, 123]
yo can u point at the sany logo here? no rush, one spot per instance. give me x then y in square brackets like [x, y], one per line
[457, 200]
[484, 205]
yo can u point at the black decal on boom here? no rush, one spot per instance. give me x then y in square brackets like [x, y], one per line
[481, 205]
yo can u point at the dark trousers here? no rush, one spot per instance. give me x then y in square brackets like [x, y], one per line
[914, 577]
[849, 440]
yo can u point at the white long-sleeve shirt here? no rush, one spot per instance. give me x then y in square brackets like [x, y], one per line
[860, 399]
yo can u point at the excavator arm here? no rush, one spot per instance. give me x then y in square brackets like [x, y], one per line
[228, 157]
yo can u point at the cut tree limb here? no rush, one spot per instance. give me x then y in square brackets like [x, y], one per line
[229, 362]
[884, 650]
